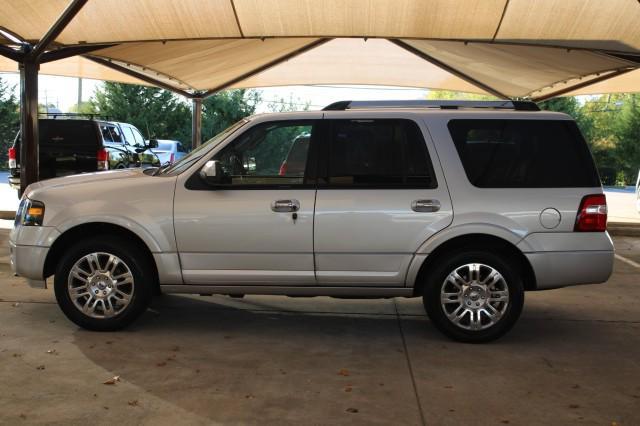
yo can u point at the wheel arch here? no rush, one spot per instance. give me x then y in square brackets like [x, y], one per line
[474, 241]
[76, 233]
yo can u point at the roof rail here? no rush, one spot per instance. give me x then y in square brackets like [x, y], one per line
[68, 115]
[504, 104]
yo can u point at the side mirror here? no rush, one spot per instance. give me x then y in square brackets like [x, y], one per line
[153, 143]
[211, 172]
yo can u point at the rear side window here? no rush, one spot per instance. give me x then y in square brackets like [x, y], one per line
[377, 154]
[523, 153]
[68, 132]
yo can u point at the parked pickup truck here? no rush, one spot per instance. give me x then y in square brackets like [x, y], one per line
[69, 146]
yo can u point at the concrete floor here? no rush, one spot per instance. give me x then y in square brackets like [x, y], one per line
[573, 358]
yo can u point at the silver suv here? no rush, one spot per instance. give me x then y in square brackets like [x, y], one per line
[465, 204]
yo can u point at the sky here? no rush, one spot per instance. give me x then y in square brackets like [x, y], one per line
[63, 92]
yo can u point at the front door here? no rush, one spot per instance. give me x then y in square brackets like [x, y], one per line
[378, 200]
[256, 226]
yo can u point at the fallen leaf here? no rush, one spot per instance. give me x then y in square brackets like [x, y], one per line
[348, 389]
[343, 372]
[52, 352]
[133, 403]
[574, 406]
[161, 364]
[15, 305]
[40, 367]
[112, 381]
[23, 416]
[351, 410]
[249, 396]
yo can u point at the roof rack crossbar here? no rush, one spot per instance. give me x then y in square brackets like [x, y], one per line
[445, 104]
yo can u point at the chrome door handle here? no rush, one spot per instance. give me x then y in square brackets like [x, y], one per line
[283, 206]
[428, 206]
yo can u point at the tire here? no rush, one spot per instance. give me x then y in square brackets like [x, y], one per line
[474, 313]
[130, 275]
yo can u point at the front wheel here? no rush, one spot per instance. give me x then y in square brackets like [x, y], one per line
[474, 296]
[103, 284]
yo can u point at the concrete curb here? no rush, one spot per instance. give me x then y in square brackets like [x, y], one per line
[621, 229]
[7, 214]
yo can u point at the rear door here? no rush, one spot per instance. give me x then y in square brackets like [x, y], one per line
[379, 198]
[67, 147]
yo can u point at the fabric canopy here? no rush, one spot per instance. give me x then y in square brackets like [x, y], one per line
[511, 48]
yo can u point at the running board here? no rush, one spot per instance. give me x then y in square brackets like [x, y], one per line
[309, 291]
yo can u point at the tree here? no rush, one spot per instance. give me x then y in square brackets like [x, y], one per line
[9, 120]
[160, 114]
[626, 130]
[225, 108]
[157, 113]
[453, 95]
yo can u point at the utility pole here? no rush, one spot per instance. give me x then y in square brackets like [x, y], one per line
[79, 93]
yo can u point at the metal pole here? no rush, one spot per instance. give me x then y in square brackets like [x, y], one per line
[28, 122]
[196, 123]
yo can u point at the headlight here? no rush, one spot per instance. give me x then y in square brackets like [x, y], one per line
[30, 213]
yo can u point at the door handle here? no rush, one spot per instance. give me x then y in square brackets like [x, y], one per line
[425, 206]
[284, 206]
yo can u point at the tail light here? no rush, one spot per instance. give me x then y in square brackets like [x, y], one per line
[103, 159]
[283, 169]
[592, 214]
[172, 157]
[12, 158]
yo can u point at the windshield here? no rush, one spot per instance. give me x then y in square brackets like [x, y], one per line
[186, 161]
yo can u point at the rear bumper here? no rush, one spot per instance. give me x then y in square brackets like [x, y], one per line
[14, 182]
[561, 269]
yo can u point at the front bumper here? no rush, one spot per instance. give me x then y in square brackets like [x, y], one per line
[28, 262]
[29, 246]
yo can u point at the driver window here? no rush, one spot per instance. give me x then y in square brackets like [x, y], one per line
[268, 154]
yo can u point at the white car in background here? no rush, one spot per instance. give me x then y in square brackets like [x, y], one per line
[169, 151]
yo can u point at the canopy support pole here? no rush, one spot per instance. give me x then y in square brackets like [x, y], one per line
[28, 122]
[29, 64]
[583, 84]
[266, 66]
[448, 68]
[196, 122]
[139, 76]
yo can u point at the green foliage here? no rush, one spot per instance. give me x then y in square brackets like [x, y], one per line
[9, 120]
[451, 95]
[611, 125]
[157, 113]
[225, 108]
[85, 108]
[160, 114]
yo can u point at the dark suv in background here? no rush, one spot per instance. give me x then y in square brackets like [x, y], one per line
[70, 144]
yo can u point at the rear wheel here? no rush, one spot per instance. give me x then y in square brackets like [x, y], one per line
[474, 296]
[103, 284]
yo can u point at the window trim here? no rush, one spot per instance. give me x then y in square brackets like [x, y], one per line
[324, 159]
[195, 183]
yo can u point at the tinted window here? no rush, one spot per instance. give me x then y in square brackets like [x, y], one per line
[68, 132]
[523, 153]
[139, 140]
[378, 153]
[110, 133]
[261, 155]
[165, 146]
[128, 136]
